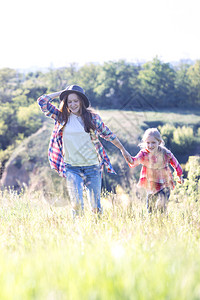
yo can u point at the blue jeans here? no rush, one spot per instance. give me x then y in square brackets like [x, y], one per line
[158, 201]
[79, 177]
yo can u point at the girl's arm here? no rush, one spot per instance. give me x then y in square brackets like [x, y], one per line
[175, 164]
[47, 108]
[137, 160]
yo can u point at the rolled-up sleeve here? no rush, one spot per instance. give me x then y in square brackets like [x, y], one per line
[102, 130]
[137, 160]
[175, 164]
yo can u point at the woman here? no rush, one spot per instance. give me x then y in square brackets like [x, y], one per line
[75, 151]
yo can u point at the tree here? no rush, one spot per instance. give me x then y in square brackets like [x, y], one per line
[194, 78]
[182, 84]
[114, 83]
[86, 77]
[6, 78]
[157, 83]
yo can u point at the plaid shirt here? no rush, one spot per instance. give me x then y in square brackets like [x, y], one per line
[155, 173]
[55, 152]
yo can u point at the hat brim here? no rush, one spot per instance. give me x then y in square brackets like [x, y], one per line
[66, 93]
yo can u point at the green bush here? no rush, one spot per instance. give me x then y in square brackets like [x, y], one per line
[29, 118]
[178, 140]
[189, 191]
[193, 180]
[167, 133]
[183, 138]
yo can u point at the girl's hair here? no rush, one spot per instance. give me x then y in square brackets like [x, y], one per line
[151, 132]
[86, 114]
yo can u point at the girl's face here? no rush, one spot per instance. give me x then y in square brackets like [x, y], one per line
[74, 104]
[152, 144]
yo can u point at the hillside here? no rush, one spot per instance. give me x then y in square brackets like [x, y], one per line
[29, 166]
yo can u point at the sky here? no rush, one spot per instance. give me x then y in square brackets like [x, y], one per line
[56, 33]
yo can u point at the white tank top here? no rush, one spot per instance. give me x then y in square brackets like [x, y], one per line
[78, 147]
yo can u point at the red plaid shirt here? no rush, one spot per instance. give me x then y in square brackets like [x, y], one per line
[55, 153]
[155, 173]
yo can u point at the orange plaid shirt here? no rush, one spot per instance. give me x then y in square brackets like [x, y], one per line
[155, 173]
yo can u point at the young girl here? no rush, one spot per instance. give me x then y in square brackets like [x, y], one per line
[156, 176]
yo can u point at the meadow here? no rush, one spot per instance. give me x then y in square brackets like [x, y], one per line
[125, 253]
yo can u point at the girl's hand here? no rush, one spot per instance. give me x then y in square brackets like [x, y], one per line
[126, 156]
[181, 180]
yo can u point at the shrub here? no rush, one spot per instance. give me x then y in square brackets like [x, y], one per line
[193, 180]
[29, 118]
[189, 191]
[183, 138]
[178, 140]
[167, 133]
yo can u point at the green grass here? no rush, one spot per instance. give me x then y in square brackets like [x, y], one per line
[125, 254]
[173, 116]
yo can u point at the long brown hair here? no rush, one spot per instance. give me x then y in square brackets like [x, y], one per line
[86, 114]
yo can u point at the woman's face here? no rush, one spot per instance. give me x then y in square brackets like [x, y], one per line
[74, 103]
[152, 144]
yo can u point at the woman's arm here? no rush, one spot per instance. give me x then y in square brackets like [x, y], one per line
[102, 130]
[47, 108]
[54, 95]
[124, 152]
[108, 135]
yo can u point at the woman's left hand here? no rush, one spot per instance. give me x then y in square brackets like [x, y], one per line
[127, 156]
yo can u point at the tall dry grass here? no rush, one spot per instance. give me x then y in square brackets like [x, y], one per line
[125, 253]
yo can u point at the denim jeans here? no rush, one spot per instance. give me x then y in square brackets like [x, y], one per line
[158, 201]
[79, 177]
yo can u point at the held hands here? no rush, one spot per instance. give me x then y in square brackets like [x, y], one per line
[126, 156]
[180, 180]
[125, 153]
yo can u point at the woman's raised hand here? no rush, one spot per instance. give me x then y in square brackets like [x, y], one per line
[55, 95]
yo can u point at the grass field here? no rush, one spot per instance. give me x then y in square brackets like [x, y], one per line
[124, 254]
